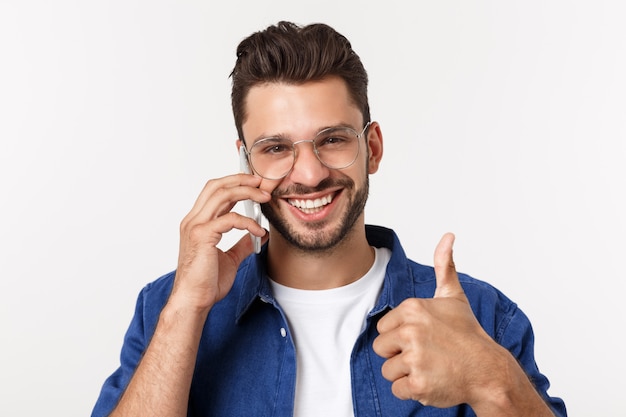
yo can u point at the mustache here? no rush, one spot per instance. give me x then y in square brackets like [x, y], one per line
[323, 185]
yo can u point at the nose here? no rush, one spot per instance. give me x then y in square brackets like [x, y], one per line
[307, 168]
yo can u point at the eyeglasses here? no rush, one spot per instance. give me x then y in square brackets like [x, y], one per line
[273, 158]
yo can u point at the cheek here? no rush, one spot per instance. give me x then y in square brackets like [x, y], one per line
[360, 171]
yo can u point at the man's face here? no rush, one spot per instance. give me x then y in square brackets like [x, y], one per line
[314, 207]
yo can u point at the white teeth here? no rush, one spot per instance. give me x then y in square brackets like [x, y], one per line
[311, 204]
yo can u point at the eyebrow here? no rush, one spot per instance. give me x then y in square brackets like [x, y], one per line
[284, 136]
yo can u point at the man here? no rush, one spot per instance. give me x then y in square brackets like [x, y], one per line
[331, 318]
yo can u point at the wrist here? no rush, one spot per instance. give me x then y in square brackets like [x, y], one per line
[192, 299]
[507, 391]
[184, 309]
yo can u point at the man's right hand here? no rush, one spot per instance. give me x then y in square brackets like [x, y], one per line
[162, 380]
[205, 273]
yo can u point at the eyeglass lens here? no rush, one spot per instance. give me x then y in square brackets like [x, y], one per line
[273, 158]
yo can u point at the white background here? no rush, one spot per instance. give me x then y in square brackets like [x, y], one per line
[504, 122]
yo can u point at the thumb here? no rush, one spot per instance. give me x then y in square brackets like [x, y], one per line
[448, 284]
[244, 247]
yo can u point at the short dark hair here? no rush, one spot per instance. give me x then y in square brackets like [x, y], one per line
[295, 54]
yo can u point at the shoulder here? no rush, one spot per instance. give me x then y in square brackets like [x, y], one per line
[154, 295]
[160, 287]
[476, 289]
[404, 272]
[491, 306]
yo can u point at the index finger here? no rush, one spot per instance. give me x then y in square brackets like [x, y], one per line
[228, 182]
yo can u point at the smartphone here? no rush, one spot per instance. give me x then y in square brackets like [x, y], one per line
[252, 208]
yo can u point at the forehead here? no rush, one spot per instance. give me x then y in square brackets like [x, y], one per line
[296, 109]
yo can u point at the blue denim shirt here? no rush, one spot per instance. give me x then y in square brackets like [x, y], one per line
[246, 364]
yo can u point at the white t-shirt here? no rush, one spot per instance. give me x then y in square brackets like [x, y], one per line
[325, 325]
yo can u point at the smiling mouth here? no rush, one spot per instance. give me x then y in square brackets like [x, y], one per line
[310, 206]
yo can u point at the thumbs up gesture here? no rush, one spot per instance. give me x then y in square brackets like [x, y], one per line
[437, 353]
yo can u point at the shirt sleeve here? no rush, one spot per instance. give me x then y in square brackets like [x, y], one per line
[135, 342]
[518, 337]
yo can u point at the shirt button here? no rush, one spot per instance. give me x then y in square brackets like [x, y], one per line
[283, 332]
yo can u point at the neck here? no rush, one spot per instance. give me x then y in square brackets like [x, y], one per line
[310, 270]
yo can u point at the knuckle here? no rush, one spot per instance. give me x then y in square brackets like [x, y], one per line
[406, 332]
[184, 223]
[210, 183]
[414, 360]
[381, 349]
[413, 306]
[196, 231]
[419, 388]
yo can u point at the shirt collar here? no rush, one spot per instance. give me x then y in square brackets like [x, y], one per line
[397, 285]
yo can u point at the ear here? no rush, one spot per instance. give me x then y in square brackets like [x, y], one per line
[374, 142]
[238, 142]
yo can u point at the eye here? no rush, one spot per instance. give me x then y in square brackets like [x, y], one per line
[272, 147]
[334, 138]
